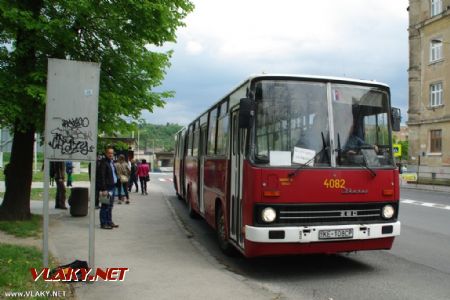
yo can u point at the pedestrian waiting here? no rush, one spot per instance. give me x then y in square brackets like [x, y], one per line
[123, 170]
[133, 176]
[144, 177]
[107, 180]
[69, 172]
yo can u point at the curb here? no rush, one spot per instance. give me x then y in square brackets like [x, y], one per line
[435, 188]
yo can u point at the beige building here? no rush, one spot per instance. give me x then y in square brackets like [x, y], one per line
[429, 87]
[402, 135]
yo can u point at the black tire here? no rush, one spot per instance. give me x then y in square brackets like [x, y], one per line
[192, 213]
[222, 238]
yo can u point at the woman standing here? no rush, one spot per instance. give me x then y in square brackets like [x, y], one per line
[123, 170]
[143, 173]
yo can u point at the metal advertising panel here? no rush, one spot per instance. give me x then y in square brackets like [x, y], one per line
[72, 110]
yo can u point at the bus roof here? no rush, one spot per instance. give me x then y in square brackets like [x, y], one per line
[316, 77]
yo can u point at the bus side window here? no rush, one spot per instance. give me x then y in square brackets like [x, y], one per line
[222, 135]
[212, 132]
[195, 143]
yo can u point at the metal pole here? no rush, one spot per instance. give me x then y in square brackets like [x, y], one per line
[153, 156]
[45, 211]
[418, 168]
[92, 216]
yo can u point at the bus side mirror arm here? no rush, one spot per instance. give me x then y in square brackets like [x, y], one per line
[396, 118]
[246, 112]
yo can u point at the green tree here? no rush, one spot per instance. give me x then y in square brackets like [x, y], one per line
[405, 150]
[160, 136]
[115, 33]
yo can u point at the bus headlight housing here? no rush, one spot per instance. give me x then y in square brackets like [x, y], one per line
[388, 211]
[268, 215]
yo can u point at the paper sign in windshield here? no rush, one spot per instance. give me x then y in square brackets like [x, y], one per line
[280, 158]
[303, 156]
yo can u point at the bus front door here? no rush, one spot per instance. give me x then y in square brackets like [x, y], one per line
[237, 156]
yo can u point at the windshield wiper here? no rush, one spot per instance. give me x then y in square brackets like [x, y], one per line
[292, 174]
[366, 165]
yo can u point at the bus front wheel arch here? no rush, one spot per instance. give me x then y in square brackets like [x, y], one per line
[192, 213]
[221, 232]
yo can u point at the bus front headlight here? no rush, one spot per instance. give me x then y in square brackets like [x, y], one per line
[387, 211]
[268, 214]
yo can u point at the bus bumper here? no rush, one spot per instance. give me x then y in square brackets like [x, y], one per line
[324, 233]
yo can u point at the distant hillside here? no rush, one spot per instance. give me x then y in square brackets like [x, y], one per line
[160, 136]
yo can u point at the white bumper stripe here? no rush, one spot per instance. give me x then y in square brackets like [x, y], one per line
[310, 234]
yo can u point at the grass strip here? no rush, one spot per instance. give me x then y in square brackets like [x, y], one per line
[15, 275]
[26, 228]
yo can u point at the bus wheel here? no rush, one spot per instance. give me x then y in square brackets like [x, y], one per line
[192, 213]
[222, 238]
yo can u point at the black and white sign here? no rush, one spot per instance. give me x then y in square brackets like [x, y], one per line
[72, 110]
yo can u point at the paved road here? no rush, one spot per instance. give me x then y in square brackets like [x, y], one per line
[418, 266]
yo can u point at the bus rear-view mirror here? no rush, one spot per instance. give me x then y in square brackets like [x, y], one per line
[246, 112]
[396, 118]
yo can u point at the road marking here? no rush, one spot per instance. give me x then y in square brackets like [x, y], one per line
[165, 179]
[426, 204]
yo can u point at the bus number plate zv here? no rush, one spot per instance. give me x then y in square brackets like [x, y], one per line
[335, 234]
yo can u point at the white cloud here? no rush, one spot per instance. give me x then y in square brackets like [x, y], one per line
[174, 112]
[194, 48]
[226, 40]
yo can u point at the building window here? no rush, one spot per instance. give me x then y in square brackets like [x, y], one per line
[436, 141]
[435, 50]
[436, 93]
[436, 7]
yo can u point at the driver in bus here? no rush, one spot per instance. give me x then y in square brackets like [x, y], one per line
[354, 142]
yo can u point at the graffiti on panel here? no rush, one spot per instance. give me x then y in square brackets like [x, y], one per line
[72, 136]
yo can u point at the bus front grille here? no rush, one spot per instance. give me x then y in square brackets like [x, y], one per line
[325, 213]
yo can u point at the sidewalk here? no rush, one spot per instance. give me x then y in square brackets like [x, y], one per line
[163, 262]
[424, 187]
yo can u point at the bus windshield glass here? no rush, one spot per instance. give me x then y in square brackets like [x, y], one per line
[294, 126]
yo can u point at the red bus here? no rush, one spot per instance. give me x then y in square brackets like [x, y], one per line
[288, 164]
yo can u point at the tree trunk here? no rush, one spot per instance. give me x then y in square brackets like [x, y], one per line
[18, 177]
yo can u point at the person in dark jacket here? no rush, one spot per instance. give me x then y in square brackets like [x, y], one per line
[133, 176]
[106, 182]
[69, 171]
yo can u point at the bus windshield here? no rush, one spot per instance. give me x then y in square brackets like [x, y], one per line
[321, 125]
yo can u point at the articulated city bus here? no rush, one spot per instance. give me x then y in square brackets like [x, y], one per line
[288, 164]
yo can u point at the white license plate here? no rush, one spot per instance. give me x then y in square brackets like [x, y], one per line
[335, 234]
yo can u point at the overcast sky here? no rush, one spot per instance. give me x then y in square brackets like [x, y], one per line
[225, 41]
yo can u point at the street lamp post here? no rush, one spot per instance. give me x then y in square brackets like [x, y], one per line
[153, 156]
